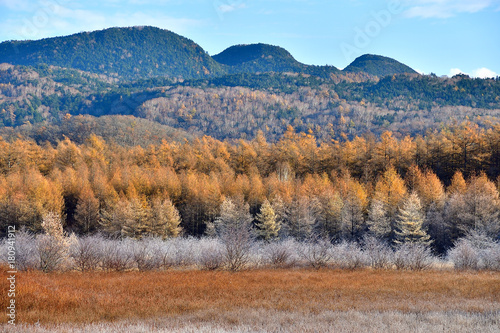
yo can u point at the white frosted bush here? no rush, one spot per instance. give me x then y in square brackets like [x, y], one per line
[179, 252]
[491, 258]
[347, 255]
[51, 254]
[378, 253]
[147, 254]
[86, 252]
[281, 254]
[237, 253]
[255, 256]
[475, 251]
[464, 256]
[210, 254]
[116, 255]
[53, 246]
[26, 251]
[413, 256]
[316, 252]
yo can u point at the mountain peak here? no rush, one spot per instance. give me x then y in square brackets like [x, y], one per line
[378, 65]
[251, 58]
[239, 54]
[130, 53]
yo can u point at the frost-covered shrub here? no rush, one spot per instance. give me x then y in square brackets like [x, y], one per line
[413, 256]
[378, 253]
[281, 254]
[464, 256]
[26, 251]
[210, 254]
[147, 254]
[316, 252]
[53, 246]
[51, 254]
[347, 255]
[475, 251]
[234, 228]
[489, 250]
[491, 258]
[237, 253]
[255, 256]
[116, 255]
[86, 252]
[179, 252]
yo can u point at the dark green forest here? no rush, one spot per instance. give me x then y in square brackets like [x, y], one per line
[128, 53]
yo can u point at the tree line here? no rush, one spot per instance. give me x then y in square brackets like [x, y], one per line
[431, 190]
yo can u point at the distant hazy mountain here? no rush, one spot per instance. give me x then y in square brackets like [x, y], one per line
[129, 53]
[378, 65]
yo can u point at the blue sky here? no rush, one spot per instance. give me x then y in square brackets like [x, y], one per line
[440, 36]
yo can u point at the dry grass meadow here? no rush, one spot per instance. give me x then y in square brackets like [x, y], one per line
[257, 300]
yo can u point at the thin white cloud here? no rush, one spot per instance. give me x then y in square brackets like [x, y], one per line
[445, 8]
[56, 20]
[482, 73]
[228, 7]
[223, 7]
[17, 5]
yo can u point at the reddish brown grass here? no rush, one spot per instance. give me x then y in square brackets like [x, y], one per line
[92, 297]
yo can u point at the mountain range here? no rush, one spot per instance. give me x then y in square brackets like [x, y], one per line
[141, 85]
[144, 52]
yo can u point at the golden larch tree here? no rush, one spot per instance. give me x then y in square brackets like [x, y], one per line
[267, 224]
[165, 219]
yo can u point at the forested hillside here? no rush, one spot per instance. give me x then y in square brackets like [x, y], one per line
[165, 78]
[126, 53]
[136, 53]
[122, 130]
[264, 58]
[378, 66]
[239, 105]
[258, 58]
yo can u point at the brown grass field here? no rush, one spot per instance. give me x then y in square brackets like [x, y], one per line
[205, 296]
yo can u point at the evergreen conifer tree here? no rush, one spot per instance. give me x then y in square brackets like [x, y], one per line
[409, 223]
